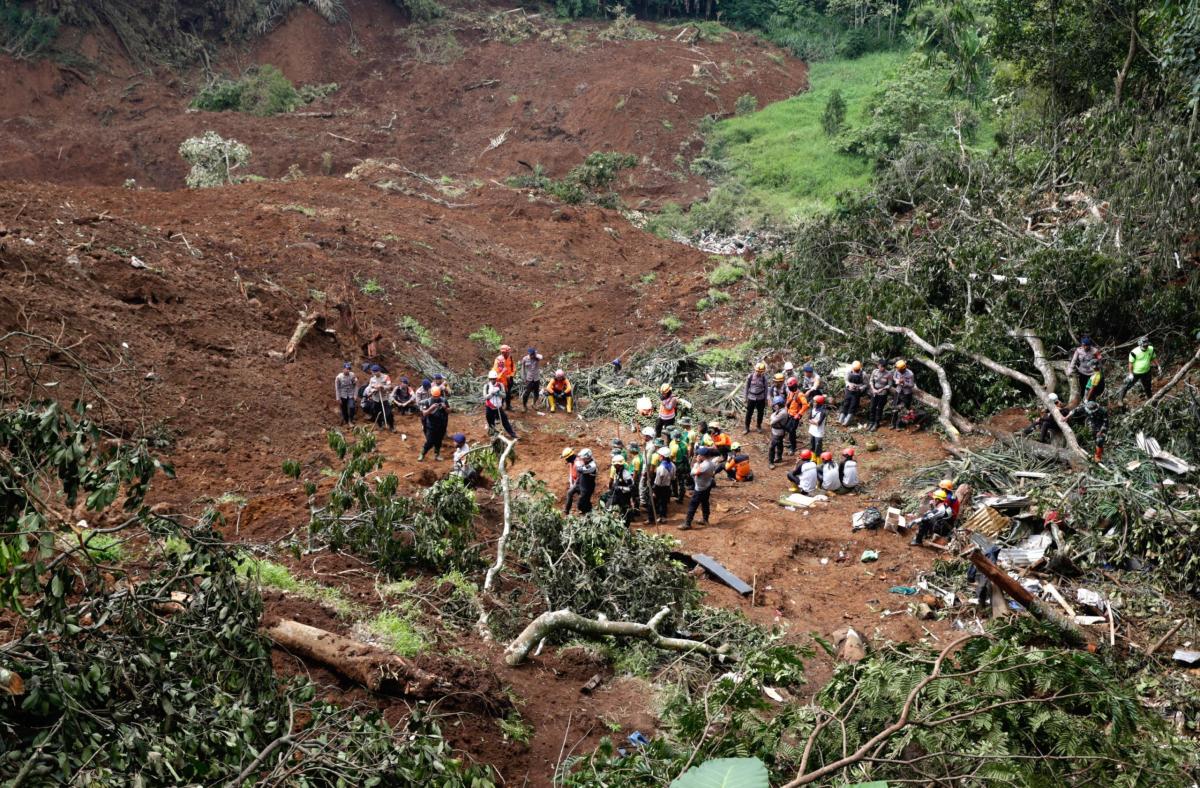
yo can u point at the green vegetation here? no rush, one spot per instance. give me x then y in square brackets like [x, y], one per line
[726, 274]
[515, 728]
[261, 90]
[412, 327]
[588, 182]
[671, 324]
[300, 209]
[371, 287]
[487, 337]
[102, 548]
[24, 32]
[278, 576]
[422, 10]
[397, 633]
[213, 160]
[746, 104]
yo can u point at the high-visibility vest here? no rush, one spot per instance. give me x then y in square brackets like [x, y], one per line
[559, 386]
[505, 368]
[666, 407]
[740, 468]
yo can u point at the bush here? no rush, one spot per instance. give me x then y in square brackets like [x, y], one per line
[422, 10]
[262, 90]
[490, 338]
[745, 104]
[834, 117]
[213, 159]
[671, 324]
[25, 33]
[726, 274]
[411, 326]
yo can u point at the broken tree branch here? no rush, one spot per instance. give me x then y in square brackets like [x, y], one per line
[1149, 650]
[494, 570]
[1018, 593]
[550, 622]
[945, 412]
[303, 326]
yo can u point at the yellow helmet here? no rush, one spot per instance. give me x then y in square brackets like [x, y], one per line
[760, 366]
[856, 366]
[665, 388]
[778, 377]
[901, 364]
[946, 484]
[939, 495]
[567, 452]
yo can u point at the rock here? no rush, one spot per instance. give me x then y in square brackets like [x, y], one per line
[849, 645]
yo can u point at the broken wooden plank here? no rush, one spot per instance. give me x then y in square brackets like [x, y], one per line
[591, 685]
[721, 574]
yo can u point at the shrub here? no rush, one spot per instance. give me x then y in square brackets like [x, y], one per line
[371, 287]
[25, 33]
[726, 274]
[624, 27]
[262, 90]
[213, 159]
[834, 117]
[422, 10]
[671, 324]
[745, 104]
[411, 326]
[490, 338]
[397, 633]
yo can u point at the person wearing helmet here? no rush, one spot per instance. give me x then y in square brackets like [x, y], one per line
[720, 441]
[505, 367]
[756, 395]
[737, 467]
[493, 404]
[816, 424]
[667, 405]
[789, 370]
[831, 480]
[879, 387]
[937, 520]
[636, 463]
[1083, 361]
[436, 417]
[531, 377]
[1045, 425]
[440, 381]
[586, 469]
[848, 470]
[778, 387]
[903, 384]
[345, 390]
[856, 386]
[559, 392]
[779, 419]
[680, 455]
[797, 406]
[662, 482]
[804, 476]
[704, 472]
[810, 381]
[1141, 358]
[620, 488]
[568, 456]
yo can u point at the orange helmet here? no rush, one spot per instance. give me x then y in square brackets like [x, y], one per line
[505, 349]
[901, 364]
[827, 456]
[856, 366]
[946, 484]
[436, 391]
[806, 455]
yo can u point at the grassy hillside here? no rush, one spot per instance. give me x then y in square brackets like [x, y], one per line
[787, 164]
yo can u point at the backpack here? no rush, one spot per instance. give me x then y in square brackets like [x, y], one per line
[872, 519]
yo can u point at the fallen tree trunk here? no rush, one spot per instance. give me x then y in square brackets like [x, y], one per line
[303, 326]
[555, 621]
[1018, 593]
[375, 669]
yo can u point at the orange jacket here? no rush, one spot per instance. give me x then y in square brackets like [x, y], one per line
[741, 468]
[556, 386]
[722, 440]
[797, 404]
[505, 368]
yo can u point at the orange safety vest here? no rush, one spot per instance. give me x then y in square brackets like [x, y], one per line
[722, 440]
[666, 407]
[505, 368]
[797, 404]
[741, 470]
[557, 386]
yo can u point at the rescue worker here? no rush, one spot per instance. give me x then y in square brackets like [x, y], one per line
[1083, 362]
[789, 370]
[831, 480]
[1045, 425]
[704, 472]
[568, 456]
[778, 387]
[667, 405]
[804, 476]
[878, 387]
[437, 417]
[1097, 420]
[620, 489]
[559, 392]
[936, 521]
[636, 464]
[797, 406]
[951, 497]
[663, 481]
[679, 458]
[816, 424]
[856, 386]
[1094, 388]
[903, 383]
[848, 469]
[531, 376]
[737, 467]
[462, 469]
[422, 396]
[779, 418]
[345, 390]
[720, 441]
[756, 395]
[376, 394]
[493, 404]
[440, 381]
[810, 382]
[586, 469]
[505, 367]
[1140, 360]
[403, 398]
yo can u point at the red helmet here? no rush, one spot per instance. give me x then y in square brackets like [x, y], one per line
[792, 382]
[848, 451]
[819, 399]
[827, 456]
[806, 455]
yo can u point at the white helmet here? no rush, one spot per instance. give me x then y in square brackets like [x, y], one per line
[1053, 397]
[788, 366]
[585, 454]
[493, 375]
[648, 432]
[664, 452]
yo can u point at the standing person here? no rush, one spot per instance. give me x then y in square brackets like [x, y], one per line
[1097, 420]
[493, 404]
[667, 405]
[437, 417]
[1094, 387]
[789, 370]
[505, 367]
[636, 465]
[568, 456]
[679, 458]
[704, 472]
[797, 406]
[778, 387]
[558, 392]
[848, 469]
[1083, 362]
[804, 476]
[810, 381]
[816, 424]
[879, 387]
[345, 389]
[620, 489]
[664, 478]
[421, 398]
[904, 384]
[756, 395]
[462, 468]
[1140, 360]
[531, 376]
[779, 417]
[586, 467]
[440, 381]
[856, 386]
[831, 479]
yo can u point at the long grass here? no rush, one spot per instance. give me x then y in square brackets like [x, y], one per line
[789, 167]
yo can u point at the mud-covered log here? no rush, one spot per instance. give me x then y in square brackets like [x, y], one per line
[375, 669]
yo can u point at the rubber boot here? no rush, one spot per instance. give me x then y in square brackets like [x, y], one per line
[421, 457]
[1099, 453]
